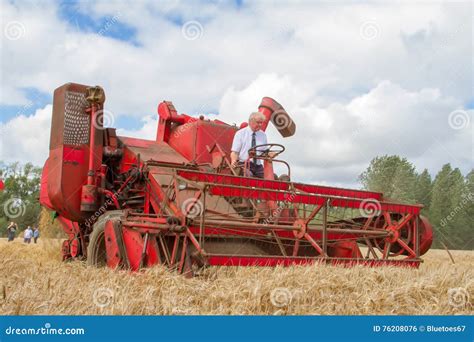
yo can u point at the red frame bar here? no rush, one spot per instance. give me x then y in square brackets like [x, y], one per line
[276, 185]
[271, 261]
[242, 232]
[224, 185]
[232, 180]
[275, 195]
[332, 191]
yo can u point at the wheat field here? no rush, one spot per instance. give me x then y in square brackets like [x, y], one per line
[34, 281]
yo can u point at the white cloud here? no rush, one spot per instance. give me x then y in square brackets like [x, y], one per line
[319, 45]
[336, 142]
[352, 96]
[26, 138]
[147, 131]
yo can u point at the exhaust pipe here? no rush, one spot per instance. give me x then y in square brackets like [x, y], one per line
[275, 113]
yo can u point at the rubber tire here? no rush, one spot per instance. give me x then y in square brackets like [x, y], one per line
[97, 236]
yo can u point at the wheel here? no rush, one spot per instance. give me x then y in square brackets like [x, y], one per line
[96, 252]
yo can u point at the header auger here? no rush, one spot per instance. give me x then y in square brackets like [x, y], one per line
[175, 200]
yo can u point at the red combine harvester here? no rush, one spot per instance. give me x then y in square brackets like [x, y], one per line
[175, 201]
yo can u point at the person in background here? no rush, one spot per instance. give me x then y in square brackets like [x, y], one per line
[11, 231]
[27, 235]
[36, 234]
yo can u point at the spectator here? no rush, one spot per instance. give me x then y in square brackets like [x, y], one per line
[27, 235]
[36, 234]
[11, 231]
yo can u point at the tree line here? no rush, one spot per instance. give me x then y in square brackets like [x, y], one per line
[448, 199]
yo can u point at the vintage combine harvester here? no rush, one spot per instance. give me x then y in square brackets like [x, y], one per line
[175, 201]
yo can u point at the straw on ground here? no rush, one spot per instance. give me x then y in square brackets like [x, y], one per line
[34, 281]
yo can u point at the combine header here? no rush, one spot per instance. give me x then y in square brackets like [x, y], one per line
[175, 201]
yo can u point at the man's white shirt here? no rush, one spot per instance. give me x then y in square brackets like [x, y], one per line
[28, 234]
[243, 142]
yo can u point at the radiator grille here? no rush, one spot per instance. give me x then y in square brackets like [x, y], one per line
[76, 120]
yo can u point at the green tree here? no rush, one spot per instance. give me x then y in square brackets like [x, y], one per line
[423, 188]
[467, 202]
[392, 175]
[448, 208]
[448, 200]
[19, 201]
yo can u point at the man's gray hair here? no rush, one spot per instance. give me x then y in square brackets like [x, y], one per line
[256, 116]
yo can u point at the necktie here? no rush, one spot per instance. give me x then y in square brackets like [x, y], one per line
[254, 143]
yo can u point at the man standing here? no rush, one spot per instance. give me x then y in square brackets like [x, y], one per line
[246, 138]
[11, 231]
[36, 234]
[27, 235]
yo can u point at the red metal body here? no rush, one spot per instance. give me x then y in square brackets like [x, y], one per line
[132, 203]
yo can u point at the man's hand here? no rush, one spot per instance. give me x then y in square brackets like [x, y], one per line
[234, 159]
[272, 154]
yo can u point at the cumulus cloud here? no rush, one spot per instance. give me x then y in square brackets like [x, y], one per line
[358, 80]
[146, 131]
[336, 142]
[324, 47]
[26, 138]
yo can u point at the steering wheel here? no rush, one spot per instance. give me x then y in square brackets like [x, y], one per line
[276, 149]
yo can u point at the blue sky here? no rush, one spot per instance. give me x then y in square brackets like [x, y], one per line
[77, 19]
[35, 99]
[351, 74]
[70, 12]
